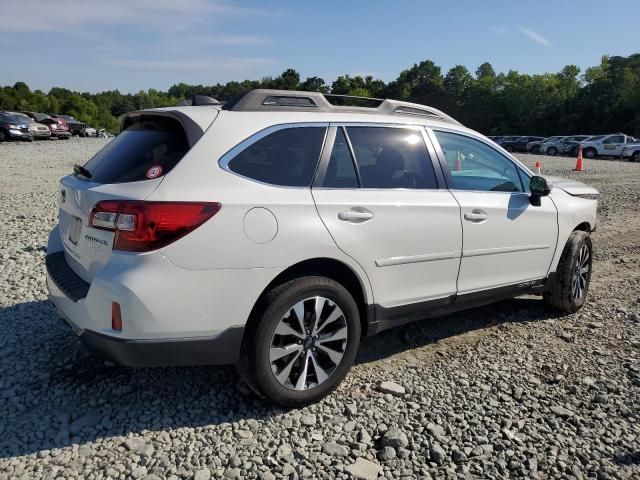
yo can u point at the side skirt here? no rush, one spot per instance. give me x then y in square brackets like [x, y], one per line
[384, 318]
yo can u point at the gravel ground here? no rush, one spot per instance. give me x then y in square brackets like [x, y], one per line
[508, 390]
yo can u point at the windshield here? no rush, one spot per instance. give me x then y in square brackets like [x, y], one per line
[6, 118]
[21, 117]
[553, 139]
[511, 139]
[595, 139]
[149, 147]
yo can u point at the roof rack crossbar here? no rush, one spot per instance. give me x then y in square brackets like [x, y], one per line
[293, 100]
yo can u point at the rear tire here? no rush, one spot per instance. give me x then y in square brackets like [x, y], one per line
[283, 378]
[573, 275]
[3, 136]
[536, 149]
[635, 157]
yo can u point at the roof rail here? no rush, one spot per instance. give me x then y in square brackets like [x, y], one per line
[260, 100]
[197, 101]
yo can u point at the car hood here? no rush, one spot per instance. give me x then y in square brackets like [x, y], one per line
[572, 187]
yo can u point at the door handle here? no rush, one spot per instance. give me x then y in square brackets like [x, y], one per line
[356, 215]
[476, 216]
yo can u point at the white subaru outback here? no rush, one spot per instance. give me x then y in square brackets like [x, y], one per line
[276, 231]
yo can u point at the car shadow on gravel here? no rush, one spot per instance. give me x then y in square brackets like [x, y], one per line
[54, 394]
[433, 330]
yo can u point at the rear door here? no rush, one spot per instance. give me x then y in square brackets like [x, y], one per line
[613, 145]
[506, 240]
[131, 166]
[378, 195]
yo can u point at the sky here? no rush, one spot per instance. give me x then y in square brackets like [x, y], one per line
[132, 45]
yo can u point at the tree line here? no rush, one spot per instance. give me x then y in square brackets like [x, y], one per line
[605, 98]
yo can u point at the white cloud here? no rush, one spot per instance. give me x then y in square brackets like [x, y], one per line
[536, 37]
[499, 30]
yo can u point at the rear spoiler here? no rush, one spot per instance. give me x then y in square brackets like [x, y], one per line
[194, 123]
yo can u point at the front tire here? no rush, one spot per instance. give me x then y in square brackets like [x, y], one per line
[590, 153]
[304, 342]
[636, 156]
[573, 275]
[552, 151]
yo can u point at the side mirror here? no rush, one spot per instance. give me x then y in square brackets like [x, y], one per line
[539, 187]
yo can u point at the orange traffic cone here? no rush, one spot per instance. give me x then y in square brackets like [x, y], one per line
[537, 167]
[579, 162]
[457, 166]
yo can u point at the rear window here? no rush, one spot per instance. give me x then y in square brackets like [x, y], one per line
[147, 148]
[287, 157]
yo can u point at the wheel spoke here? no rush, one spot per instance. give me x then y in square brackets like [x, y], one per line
[276, 353]
[285, 329]
[321, 375]
[298, 310]
[302, 379]
[283, 376]
[333, 316]
[584, 270]
[339, 334]
[319, 306]
[334, 355]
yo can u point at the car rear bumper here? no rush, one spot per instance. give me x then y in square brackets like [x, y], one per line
[76, 300]
[60, 134]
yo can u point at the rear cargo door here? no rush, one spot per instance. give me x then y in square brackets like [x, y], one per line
[130, 167]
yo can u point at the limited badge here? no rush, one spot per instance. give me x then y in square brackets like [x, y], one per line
[154, 172]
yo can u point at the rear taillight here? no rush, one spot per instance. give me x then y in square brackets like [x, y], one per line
[143, 226]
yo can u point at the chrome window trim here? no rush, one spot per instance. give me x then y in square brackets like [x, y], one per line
[223, 161]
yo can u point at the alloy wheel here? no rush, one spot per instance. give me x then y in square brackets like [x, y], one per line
[581, 274]
[308, 343]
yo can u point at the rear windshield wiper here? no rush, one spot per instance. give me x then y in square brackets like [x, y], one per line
[80, 170]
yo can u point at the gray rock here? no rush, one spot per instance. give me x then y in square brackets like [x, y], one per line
[202, 474]
[335, 449]
[395, 438]
[561, 411]
[364, 469]
[138, 446]
[437, 453]
[308, 419]
[391, 388]
[387, 453]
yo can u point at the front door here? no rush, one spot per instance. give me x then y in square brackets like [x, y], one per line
[506, 240]
[379, 198]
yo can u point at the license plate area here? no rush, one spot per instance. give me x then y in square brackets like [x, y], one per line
[75, 230]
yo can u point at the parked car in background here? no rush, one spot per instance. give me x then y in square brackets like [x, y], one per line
[102, 133]
[536, 147]
[605, 145]
[38, 130]
[519, 145]
[37, 116]
[89, 132]
[75, 126]
[556, 145]
[58, 128]
[632, 151]
[12, 128]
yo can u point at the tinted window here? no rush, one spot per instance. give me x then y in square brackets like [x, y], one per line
[146, 142]
[286, 157]
[476, 166]
[340, 172]
[391, 158]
